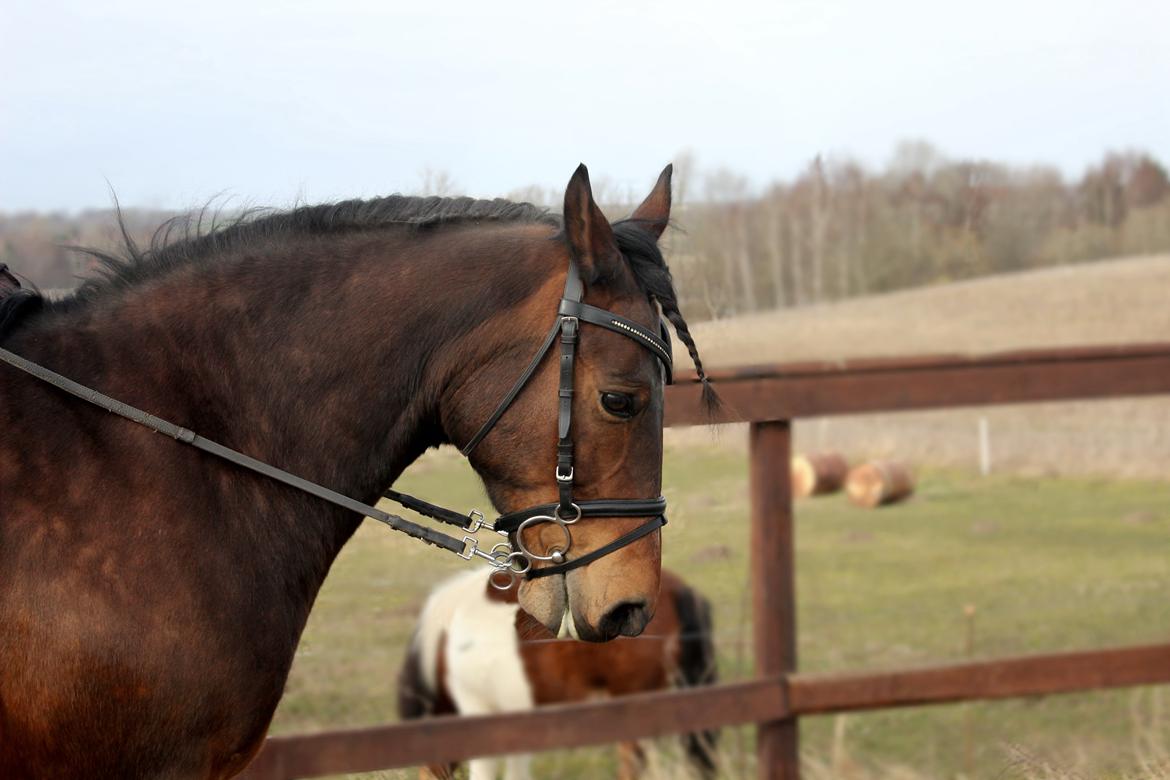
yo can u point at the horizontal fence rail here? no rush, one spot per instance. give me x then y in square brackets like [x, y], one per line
[437, 740]
[770, 398]
[640, 716]
[787, 392]
[1000, 678]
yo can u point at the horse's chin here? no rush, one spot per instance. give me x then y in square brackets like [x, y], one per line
[545, 599]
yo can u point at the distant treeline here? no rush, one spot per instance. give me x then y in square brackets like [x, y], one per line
[838, 230]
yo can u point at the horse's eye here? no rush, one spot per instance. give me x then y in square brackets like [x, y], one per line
[618, 404]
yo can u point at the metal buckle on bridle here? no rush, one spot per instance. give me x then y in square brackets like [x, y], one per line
[564, 477]
[509, 572]
[471, 548]
[505, 562]
[477, 521]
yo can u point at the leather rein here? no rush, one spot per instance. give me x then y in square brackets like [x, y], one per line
[506, 560]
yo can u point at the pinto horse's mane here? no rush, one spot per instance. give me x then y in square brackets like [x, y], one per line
[202, 237]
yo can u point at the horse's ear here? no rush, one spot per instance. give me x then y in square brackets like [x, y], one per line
[588, 232]
[654, 214]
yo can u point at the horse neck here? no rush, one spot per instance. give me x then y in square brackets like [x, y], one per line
[326, 357]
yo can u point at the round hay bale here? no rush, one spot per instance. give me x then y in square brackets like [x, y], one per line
[878, 483]
[818, 474]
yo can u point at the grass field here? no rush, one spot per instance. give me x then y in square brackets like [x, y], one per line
[1047, 564]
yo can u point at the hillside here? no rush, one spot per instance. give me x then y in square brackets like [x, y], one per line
[1109, 301]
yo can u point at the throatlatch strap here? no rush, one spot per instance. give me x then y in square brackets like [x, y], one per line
[560, 568]
[515, 391]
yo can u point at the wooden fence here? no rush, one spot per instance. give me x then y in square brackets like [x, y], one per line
[769, 398]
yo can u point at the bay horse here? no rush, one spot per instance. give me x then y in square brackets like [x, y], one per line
[152, 595]
[476, 652]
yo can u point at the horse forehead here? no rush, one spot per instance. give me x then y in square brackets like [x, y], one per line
[633, 305]
[624, 353]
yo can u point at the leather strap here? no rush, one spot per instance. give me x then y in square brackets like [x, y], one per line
[606, 507]
[625, 539]
[434, 511]
[515, 391]
[658, 346]
[564, 470]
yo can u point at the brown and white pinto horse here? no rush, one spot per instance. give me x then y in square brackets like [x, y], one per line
[476, 652]
[151, 596]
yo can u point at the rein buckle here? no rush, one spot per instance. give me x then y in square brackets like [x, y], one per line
[477, 522]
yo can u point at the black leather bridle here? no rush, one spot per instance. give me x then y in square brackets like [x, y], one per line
[507, 561]
[567, 510]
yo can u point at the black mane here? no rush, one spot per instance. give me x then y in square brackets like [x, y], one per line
[198, 237]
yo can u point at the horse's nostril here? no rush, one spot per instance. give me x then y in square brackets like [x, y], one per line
[627, 619]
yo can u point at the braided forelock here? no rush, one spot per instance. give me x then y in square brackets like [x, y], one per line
[671, 312]
[640, 248]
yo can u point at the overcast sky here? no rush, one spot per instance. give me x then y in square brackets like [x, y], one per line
[268, 101]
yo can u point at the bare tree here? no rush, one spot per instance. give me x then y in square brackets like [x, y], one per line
[774, 241]
[819, 219]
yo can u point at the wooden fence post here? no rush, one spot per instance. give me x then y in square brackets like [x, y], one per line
[773, 586]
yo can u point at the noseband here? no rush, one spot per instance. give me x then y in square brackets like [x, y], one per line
[508, 563]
